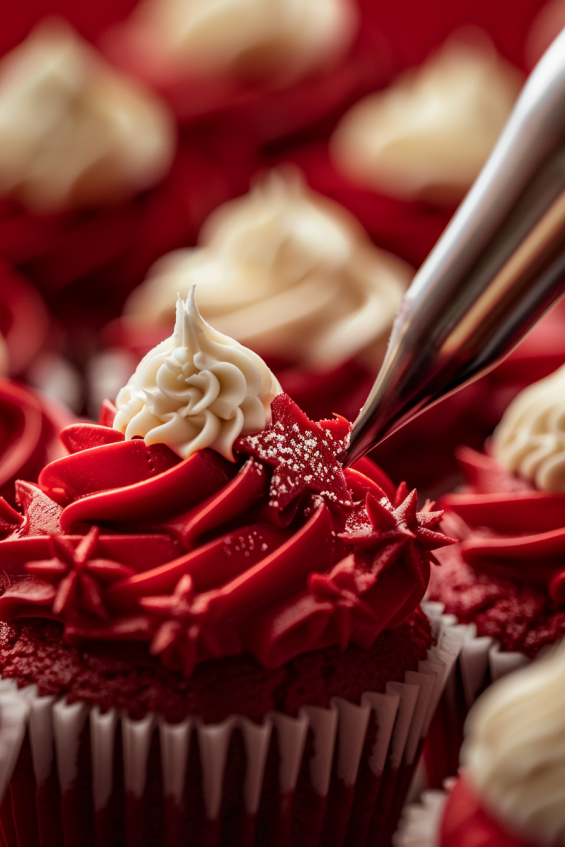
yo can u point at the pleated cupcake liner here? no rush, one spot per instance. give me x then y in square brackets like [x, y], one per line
[334, 776]
[420, 823]
[480, 662]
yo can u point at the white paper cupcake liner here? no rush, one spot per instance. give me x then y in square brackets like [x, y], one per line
[14, 713]
[419, 824]
[382, 736]
[480, 662]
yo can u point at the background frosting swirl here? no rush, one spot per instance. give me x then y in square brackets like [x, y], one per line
[287, 272]
[530, 439]
[429, 134]
[276, 40]
[197, 389]
[73, 131]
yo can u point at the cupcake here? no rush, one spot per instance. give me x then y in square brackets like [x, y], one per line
[428, 135]
[294, 276]
[92, 191]
[276, 68]
[511, 791]
[403, 157]
[503, 579]
[202, 570]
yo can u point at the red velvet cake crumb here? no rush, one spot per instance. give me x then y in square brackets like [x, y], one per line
[519, 616]
[139, 683]
[507, 572]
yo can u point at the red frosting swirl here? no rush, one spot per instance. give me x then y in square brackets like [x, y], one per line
[507, 573]
[507, 528]
[29, 429]
[279, 553]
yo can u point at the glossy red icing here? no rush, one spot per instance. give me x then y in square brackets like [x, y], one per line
[507, 573]
[466, 822]
[29, 430]
[279, 553]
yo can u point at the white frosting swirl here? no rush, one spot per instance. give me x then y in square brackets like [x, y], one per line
[530, 439]
[73, 131]
[268, 40]
[515, 750]
[287, 272]
[429, 134]
[197, 389]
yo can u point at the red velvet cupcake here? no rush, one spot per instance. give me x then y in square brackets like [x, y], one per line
[511, 792]
[96, 186]
[202, 565]
[504, 579]
[276, 69]
[292, 275]
[403, 157]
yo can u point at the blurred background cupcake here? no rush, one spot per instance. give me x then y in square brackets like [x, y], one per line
[504, 579]
[290, 274]
[511, 790]
[94, 181]
[276, 68]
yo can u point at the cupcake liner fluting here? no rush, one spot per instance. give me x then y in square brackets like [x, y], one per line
[480, 662]
[329, 776]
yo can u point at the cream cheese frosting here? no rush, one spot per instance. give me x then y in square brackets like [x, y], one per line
[530, 439]
[197, 389]
[515, 750]
[287, 272]
[429, 134]
[277, 40]
[74, 131]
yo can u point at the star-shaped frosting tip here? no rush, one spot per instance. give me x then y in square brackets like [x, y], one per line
[303, 454]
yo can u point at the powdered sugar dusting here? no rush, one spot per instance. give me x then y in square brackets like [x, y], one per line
[302, 453]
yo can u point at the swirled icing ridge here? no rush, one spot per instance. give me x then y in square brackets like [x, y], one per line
[274, 41]
[197, 389]
[530, 439]
[287, 272]
[75, 132]
[264, 555]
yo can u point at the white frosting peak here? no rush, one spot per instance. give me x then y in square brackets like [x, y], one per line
[269, 40]
[515, 750]
[197, 389]
[530, 439]
[73, 131]
[429, 134]
[287, 272]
